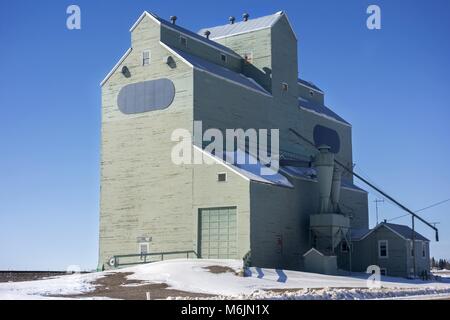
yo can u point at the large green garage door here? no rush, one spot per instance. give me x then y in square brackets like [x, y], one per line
[217, 233]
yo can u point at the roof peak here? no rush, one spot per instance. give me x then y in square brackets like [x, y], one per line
[245, 26]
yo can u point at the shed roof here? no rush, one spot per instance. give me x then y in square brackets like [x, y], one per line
[401, 230]
[405, 231]
[243, 26]
[219, 71]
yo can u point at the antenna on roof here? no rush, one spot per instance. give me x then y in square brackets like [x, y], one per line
[173, 19]
[232, 19]
[245, 16]
[207, 33]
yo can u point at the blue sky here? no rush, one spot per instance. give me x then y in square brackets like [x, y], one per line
[391, 84]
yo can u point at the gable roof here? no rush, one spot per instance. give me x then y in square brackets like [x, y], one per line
[127, 53]
[217, 70]
[358, 234]
[313, 250]
[243, 26]
[320, 109]
[403, 231]
[185, 32]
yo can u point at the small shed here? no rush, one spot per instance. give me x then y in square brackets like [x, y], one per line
[316, 262]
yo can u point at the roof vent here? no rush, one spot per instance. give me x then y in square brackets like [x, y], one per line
[245, 16]
[207, 33]
[232, 19]
[173, 19]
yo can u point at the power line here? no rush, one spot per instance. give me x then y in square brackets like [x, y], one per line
[423, 209]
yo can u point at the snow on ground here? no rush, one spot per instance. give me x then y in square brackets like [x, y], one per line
[193, 276]
[54, 286]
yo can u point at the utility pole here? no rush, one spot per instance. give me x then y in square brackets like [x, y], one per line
[414, 246]
[377, 201]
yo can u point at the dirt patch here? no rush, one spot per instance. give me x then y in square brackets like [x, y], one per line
[117, 286]
[22, 276]
[220, 269]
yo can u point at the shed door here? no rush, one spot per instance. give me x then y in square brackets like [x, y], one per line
[217, 234]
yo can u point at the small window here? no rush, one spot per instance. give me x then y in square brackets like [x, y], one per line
[223, 57]
[183, 41]
[248, 57]
[383, 249]
[412, 248]
[424, 249]
[284, 87]
[222, 177]
[344, 246]
[146, 55]
[383, 271]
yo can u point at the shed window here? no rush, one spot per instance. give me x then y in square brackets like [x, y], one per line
[183, 41]
[222, 177]
[383, 249]
[284, 87]
[146, 55]
[223, 57]
[412, 248]
[424, 249]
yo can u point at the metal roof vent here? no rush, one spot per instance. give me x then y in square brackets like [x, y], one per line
[232, 19]
[207, 33]
[173, 19]
[245, 16]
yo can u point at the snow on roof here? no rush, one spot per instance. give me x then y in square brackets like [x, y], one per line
[345, 183]
[300, 172]
[249, 167]
[243, 26]
[309, 85]
[188, 33]
[320, 109]
[311, 174]
[254, 169]
[219, 71]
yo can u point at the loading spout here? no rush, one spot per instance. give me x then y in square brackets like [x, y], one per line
[371, 185]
